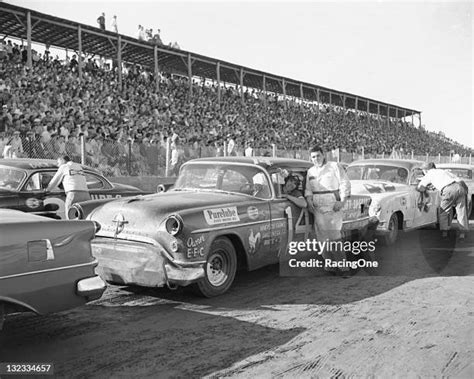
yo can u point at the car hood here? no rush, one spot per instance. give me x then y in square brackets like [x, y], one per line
[372, 187]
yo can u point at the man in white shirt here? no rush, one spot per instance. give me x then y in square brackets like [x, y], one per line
[453, 193]
[72, 177]
[327, 188]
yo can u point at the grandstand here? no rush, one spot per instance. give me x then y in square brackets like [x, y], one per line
[204, 101]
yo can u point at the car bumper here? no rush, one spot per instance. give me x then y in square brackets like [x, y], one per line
[91, 288]
[131, 262]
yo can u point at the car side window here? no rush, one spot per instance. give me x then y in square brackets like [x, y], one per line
[94, 182]
[39, 181]
[416, 175]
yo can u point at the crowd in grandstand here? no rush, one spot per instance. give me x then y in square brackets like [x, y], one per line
[47, 110]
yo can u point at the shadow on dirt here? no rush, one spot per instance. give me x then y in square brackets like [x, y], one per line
[159, 340]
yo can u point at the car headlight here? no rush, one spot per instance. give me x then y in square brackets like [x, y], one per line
[174, 224]
[75, 212]
[374, 209]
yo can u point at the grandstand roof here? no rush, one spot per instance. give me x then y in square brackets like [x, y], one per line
[63, 33]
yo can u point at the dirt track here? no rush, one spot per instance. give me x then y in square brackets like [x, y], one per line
[413, 316]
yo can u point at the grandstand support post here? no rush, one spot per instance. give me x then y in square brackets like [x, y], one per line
[357, 105]
[83, 149]
[412, 120]
[168, 152]
[419, 117]
[79, 58]
[218, 74]
[119, 61]
[190, 74]
[427, 157]
[28, 39]
[378, 114]
[129, 160]
[363, 150]
[225, 148]
[264, 87]
[388, 115]
[470, 158]
[157, 71]
[241, 85]
[301, 91]
[283, 86]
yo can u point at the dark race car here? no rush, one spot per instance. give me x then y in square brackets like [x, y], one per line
[23, 183]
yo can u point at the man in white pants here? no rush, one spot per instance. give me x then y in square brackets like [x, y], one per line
[453, 193]
[327, 188]
[72, 177]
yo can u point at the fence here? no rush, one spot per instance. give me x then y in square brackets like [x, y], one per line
[115, 158]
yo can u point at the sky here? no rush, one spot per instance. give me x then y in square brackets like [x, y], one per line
[417, 55]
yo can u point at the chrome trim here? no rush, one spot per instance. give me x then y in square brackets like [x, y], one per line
[231, 226]
[95, 262]
[103, 233]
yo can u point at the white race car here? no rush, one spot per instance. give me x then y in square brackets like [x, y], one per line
[395, 202]
[464, 172]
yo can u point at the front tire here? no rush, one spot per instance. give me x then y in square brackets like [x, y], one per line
[392, 235]
[220, 269]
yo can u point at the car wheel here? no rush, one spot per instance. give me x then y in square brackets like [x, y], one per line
[220, 268]
[392, 235]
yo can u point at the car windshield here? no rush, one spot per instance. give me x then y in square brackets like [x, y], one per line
[10, 178]
[459, 172]
[394, 174]
[246, 180]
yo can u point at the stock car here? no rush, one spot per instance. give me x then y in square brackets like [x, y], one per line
[23, 183]
[464, 172]
[391, 183]
[221, 213]
[45, 265]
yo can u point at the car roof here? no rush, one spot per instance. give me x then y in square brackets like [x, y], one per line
[31, 164]
[265, 162]
[455, 165]
[406, 163]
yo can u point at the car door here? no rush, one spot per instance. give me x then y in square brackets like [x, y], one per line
[33, 198]
[290, 223]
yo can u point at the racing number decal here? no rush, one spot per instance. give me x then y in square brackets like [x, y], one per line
[59, 202]
[299, 228]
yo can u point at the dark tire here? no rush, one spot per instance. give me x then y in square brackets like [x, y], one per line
[469, 209]
[392, 235]
[220, 269]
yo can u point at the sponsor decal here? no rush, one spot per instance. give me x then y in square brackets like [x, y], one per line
[194, 246]
[403, 201]
[252, 212]
[255, 241]
[33, 203]
[96, 196]
[222, 215]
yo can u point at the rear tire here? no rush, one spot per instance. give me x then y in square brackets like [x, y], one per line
[220, 269]
[392, 235]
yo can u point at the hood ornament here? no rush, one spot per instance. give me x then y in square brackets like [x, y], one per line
[119, 221]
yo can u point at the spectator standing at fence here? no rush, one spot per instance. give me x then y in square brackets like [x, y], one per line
[101, 21]
[73, 179]
[16, 150]
[177, 156]
[453, 193]
[327, 188]
[114, 24]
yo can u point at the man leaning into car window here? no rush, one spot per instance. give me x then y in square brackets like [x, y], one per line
[453, 193]
[72, 177]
